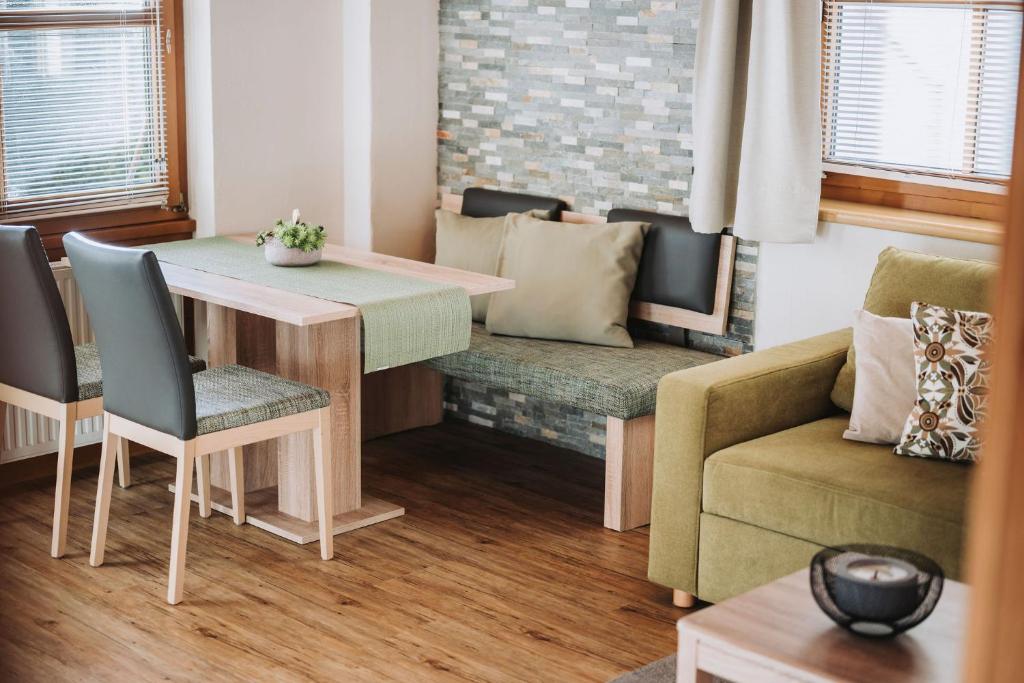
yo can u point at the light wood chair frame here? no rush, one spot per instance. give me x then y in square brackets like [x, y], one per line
[195, 453]
[66, 414]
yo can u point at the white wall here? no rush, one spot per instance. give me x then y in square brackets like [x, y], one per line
[264, 97]
[358, 123]
[405, 45]
[325, 105]
[809, 289]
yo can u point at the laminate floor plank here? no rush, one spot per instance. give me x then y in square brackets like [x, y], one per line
[499, 571]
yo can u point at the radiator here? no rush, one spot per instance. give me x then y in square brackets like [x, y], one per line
[28, 434]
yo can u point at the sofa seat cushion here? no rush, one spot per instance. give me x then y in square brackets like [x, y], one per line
[810, 483]
[619, 382]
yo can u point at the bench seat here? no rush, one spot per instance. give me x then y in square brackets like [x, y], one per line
[617, 382]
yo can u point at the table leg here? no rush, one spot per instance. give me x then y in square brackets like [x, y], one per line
[397, 399]
[325, 356]
[279, 475]
[686, 660]
[245, 339]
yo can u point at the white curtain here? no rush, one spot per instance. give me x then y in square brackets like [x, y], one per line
[756, 119]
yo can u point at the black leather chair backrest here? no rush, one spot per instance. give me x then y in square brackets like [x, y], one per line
[36, 351]
[679, 267]
[146, 374]
[482, 203]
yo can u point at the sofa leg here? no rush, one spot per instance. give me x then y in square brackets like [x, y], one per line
[629, 462]
[682, 598]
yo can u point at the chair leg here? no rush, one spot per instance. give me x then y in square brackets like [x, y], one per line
[237, 476]
[323, 465]
[179, 532]
[124, 467]
[103, 490]
[65, 457]
[203, 485]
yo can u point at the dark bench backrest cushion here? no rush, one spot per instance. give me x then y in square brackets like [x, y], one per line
[679, 267]
[478, 202]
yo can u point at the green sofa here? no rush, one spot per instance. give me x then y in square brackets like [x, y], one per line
[752, 475]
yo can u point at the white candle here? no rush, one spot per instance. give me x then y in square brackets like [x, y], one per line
[877, 569]
[873, 588]
[295, 216]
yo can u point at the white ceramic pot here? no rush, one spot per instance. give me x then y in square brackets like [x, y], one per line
[279, 255]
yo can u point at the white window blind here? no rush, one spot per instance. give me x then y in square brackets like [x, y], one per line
[928, 88]
[82, 115]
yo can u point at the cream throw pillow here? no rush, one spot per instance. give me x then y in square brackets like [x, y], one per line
[573, 282]
[469, 244]
[886, 378]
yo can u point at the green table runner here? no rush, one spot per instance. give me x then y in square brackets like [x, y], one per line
[405, 319]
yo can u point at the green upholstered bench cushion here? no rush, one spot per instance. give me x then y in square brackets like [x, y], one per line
[619, 382]
[809, 483]
[90, 375]
[234, 396]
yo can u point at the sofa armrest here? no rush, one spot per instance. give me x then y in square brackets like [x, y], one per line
[702, 410]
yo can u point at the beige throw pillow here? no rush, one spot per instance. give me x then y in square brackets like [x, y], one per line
[886, 378]
[573, 282]
[469, 244]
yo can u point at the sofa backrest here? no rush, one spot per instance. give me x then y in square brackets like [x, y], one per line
[903, 277]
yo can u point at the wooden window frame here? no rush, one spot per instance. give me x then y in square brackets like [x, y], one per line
[143, 225]
[905, 206]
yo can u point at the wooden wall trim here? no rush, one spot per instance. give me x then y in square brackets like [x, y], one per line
[903, 194]
[915, 222]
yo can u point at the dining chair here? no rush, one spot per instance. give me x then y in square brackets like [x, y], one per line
[41, 369]
[151, 397]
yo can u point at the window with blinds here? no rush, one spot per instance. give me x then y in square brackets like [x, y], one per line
[83, 124]
[926, 88]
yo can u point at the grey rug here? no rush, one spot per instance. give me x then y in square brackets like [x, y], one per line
[661, 671]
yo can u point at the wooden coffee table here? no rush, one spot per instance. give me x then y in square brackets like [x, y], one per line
[778, 633]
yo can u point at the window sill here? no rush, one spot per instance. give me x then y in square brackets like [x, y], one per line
[916, 222]
[133, 234]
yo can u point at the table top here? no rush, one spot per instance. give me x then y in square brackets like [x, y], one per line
[299, 309]
[781, 622]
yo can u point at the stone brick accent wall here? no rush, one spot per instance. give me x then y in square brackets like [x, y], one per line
[588, 100]
[526, 416]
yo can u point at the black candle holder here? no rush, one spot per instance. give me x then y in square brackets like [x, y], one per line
[869, 610]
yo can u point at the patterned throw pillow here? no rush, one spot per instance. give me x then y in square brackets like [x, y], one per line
[953, 367]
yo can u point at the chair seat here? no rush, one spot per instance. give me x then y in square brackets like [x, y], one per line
[809, 483]
[234, 396]
[90, 376]
[618, 382]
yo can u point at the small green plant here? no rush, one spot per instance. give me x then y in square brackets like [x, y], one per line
[295, 234]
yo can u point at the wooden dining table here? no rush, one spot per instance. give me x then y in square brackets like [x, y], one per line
[317, 342]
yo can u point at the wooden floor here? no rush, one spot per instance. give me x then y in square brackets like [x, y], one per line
[499, 571]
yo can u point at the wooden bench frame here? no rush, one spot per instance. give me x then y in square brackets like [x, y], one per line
[629, 444]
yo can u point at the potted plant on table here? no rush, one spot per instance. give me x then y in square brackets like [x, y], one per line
[292, 243]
